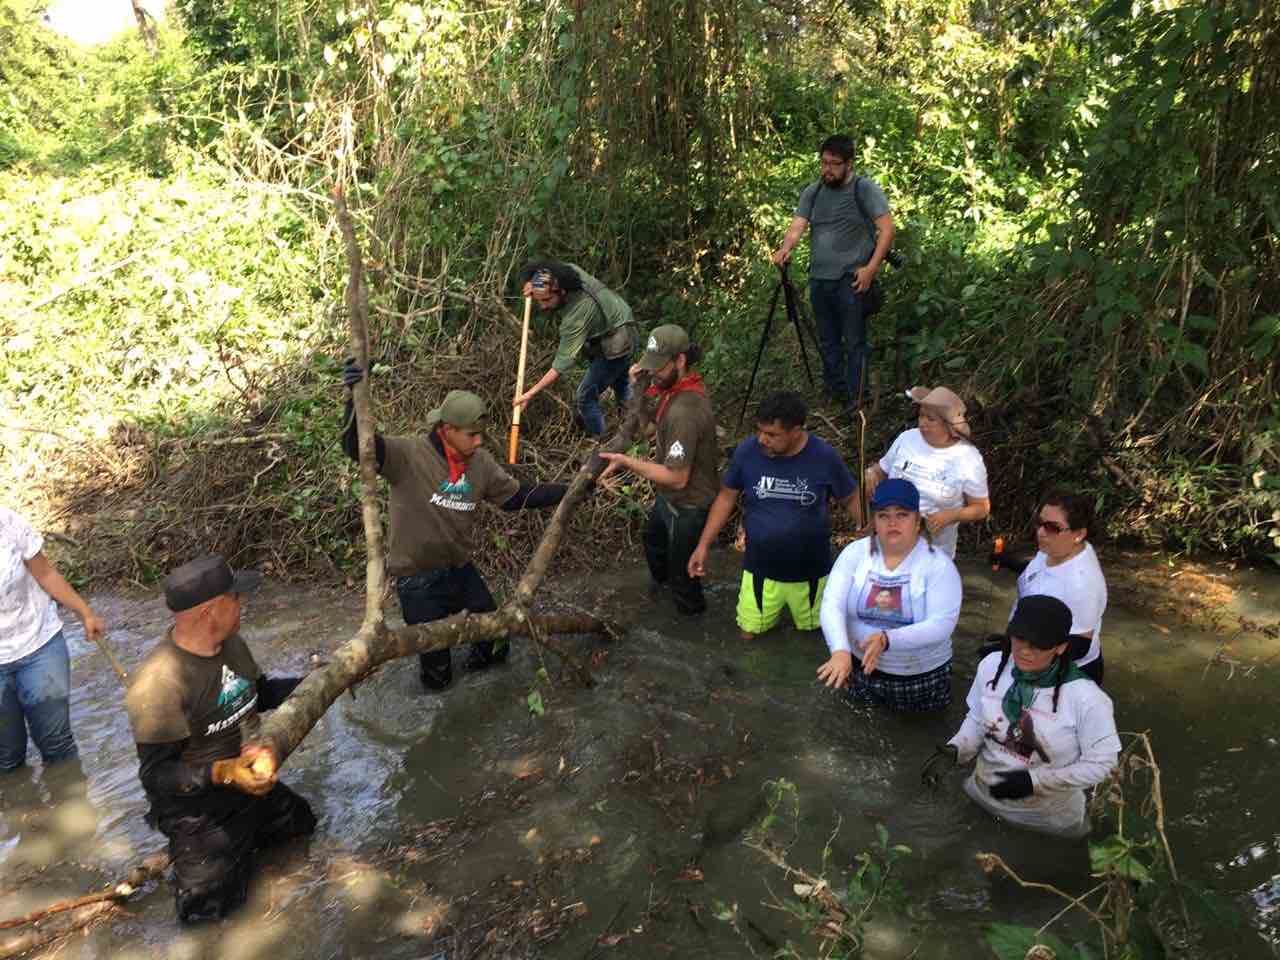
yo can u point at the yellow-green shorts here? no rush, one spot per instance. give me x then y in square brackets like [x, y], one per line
[760, 602]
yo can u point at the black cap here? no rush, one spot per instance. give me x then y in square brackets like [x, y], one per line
[203, 579]
[1041, 621]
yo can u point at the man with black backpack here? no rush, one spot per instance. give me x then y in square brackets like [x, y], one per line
[852, 236]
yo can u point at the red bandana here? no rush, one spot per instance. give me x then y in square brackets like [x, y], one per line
[457, 466]
[689, 383]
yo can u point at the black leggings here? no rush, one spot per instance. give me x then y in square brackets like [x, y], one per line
[213, 859]
[669, 539]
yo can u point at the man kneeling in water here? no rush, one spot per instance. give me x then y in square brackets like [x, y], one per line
[190, 704]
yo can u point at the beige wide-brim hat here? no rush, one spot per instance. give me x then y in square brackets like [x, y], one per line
[945, 404]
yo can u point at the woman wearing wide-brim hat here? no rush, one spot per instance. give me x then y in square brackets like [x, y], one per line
[940, 459]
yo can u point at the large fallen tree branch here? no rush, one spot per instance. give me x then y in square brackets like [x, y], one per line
[375, 644]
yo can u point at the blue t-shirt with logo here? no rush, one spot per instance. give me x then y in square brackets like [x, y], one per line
[785, 507]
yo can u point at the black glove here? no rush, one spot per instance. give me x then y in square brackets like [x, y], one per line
[352, 373]
[1013, 785]
[944, 759]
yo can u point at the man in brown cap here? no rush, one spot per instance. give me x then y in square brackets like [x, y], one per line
[190, 704]
[437, 479]
[684, 472]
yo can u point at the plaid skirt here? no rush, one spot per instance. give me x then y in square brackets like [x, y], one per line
[920, 693]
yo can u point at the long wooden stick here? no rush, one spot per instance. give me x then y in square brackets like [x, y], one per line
[111, 659]
[862, 468]
[513, 447]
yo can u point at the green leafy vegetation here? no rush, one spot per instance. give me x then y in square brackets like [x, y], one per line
[1086, 197]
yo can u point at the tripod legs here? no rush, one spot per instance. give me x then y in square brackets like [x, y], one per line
[764, 339]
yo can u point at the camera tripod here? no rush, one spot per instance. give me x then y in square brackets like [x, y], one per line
[787, 291]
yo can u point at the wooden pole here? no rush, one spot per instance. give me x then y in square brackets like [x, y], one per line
[513, 447]
[863, 518]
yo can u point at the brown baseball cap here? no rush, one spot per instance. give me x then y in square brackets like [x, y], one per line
[202, 579]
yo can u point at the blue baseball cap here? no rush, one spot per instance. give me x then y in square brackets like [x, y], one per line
[896, 492]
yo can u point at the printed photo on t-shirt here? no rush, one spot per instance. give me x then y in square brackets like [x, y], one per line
[886, 600]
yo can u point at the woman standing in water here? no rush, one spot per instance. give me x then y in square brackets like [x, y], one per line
[35, 671]
[1066, 567]
[891, 603]
[944, 465]
[1040, 729]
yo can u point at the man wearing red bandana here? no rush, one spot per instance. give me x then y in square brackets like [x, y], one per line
[684, 472]
[437, 479]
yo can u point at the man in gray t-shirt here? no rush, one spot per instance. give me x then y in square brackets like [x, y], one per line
[845, 254]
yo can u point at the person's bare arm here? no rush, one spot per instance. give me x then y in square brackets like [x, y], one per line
[794, 233]
[658, 473]
[717, 517]
[864, 275]
[55, 585]
[974, 509]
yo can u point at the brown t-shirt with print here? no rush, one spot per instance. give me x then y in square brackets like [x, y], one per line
[206, 701]
[687, 438]
[433, 520]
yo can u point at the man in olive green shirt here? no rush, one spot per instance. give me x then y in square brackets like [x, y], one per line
[438, 479]
[684, 472]
[595, 323]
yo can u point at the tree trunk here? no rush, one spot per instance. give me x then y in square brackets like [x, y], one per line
[146, 26]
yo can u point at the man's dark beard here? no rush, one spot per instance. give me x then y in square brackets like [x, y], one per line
[669, 381]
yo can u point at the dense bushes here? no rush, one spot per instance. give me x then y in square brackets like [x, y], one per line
[1086, 199]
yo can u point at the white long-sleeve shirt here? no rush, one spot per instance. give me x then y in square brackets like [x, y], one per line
[1064, 751]
[916, 604]
[1079, 584]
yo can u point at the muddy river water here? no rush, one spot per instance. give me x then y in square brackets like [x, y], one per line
[463, 825]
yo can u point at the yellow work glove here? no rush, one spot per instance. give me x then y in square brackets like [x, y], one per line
[253, 774]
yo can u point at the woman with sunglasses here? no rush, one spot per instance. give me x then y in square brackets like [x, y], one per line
[942, 462]
[890, 605]
[1041, 731]
[1065, 566]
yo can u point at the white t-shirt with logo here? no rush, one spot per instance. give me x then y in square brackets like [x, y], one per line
[28, 615]
[943, 475]
[1079, 584]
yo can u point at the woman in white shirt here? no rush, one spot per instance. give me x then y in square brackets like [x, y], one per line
[1066, 567]
[940, 460]
[1040, 730]
[35, 671]
[890, 605]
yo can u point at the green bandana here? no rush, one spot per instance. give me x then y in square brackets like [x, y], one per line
[1023, 689]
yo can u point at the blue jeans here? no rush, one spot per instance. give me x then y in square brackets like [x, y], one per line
[601, 375]
[842, 337]
[35, 694]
